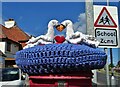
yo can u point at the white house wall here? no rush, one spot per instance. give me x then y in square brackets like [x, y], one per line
[2, 46]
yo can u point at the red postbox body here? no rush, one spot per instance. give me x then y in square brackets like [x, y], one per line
[81, 79]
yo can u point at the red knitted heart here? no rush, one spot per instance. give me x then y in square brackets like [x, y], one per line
[59, 39]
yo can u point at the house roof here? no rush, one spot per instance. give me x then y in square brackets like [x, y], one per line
[14, 33]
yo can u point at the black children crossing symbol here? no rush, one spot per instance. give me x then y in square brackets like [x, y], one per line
[105, 19]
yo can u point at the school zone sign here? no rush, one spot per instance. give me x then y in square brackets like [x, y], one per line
[106, 26]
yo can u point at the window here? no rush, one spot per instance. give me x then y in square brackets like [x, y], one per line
[8, 46]
[9, 74]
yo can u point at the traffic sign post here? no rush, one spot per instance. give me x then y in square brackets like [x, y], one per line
[106, 26]
[106, 30]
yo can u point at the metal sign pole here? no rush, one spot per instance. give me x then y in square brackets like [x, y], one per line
[113, 82]
[107, 2]
[107, 64]
[107, 68]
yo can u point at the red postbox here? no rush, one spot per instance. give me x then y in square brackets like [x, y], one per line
[81, 79]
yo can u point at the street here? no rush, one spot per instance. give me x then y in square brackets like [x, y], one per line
[101, 79]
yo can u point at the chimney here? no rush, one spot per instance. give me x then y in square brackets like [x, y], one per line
[10, 23]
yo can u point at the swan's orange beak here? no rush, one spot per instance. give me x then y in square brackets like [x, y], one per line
[60, 27]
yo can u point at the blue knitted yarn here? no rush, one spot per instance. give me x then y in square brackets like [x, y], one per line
[59, 58]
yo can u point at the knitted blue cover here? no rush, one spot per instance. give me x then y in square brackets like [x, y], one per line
[59, 58]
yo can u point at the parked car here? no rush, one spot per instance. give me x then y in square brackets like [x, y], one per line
[11, 77]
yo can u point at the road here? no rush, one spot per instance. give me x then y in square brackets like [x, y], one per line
[101, 79]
